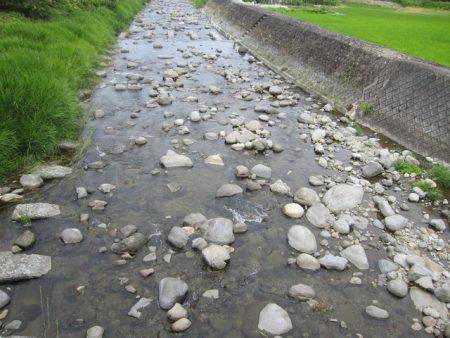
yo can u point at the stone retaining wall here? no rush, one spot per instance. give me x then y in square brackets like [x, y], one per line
[410, 97]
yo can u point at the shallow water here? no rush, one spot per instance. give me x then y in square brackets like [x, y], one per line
[257, 274]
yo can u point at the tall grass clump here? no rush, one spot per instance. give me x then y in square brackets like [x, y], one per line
[43, 64]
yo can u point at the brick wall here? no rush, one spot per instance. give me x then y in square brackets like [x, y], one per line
[410, 97]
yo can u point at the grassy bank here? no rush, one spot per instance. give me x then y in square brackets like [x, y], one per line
[421, 33]
[200, 3]
[43, 64]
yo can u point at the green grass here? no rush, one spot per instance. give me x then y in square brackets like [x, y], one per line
[366, 108]
[200, 3]
[418, 32]
[407, 168]
[433, 194]
[43, 64]
[441, 175]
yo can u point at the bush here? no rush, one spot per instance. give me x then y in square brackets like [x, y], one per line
[405, 167]
[43, 64]
[441, 175]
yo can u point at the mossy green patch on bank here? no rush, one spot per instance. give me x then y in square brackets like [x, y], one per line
[43, 64]
[422, 33]
[200, 3]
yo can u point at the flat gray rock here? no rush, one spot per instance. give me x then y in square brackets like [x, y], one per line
[306, 196]
[302, 239]
[423, 299]
[130, 244]
[174, 160]
[372, 169]
[262, 171]
[49, 172]
[333, 262]
[35, 211]
[21, 267]
[171, 291]
[357, 256]
[177, 237]
[395, 222]
[376, 312]
[219, 231]
[319, 215]
[31, 181]
[228, 190]
[343, 197]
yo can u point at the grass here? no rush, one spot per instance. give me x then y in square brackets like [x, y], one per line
[366, 108]
[200, 3]
[441, 175]
[43, 64]
[405, 167]
[433, 194]
[421, 33]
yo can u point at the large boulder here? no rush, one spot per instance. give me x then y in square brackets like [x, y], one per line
[343, 197]
[20, 267]
[35, 211]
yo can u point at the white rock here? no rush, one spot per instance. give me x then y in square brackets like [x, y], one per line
[302, 239]
[357, 256]
[293, 210]
[343, 197]
[174, 160]
[274, 320]
[216, 256]
[35, 211]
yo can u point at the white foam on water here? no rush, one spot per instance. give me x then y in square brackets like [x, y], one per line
[257, 215]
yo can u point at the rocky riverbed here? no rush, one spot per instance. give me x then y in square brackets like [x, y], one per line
[218, 200]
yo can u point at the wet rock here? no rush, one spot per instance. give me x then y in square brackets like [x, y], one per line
[211, 294]
[35, 211]
[275, 90]
[135, 309]
[293, 210]
[199, 243]
[71, 236]
[95, 332]
[81, 192]
[140, 141]
[177, 312]
[318, 134]
[395, 222]
[443, 293]
[319, 215]
[242, 171]
[228, 190]
[171, 291]
[13, 325]
[307, 262]
[376, 312]
[174, 160]
[423, 299]
[214, 160]
[194, 116]
[11, 198]
[164, 100]
[20, 266]
[97, 204]
[127, 230]
[280, 187]
[301, 292]
[177, 237]
[438, 224]
[219, 231]
[384, 206]
[96, 165]
[306, 196]
[316, 180]
[181, 325]
[146, 272]
[130, 244]
[331, 262]
[106, 188]
[387, 266]
[398, 287]
[195, 220]
[357, 256]
[53, 171]
[216, 256]
[31, 181]
[302, 239]
[343, 197]
[25, 240]
[4, 299]
[240, 228]
[274, 320]
[262, 171]
[372, 169]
